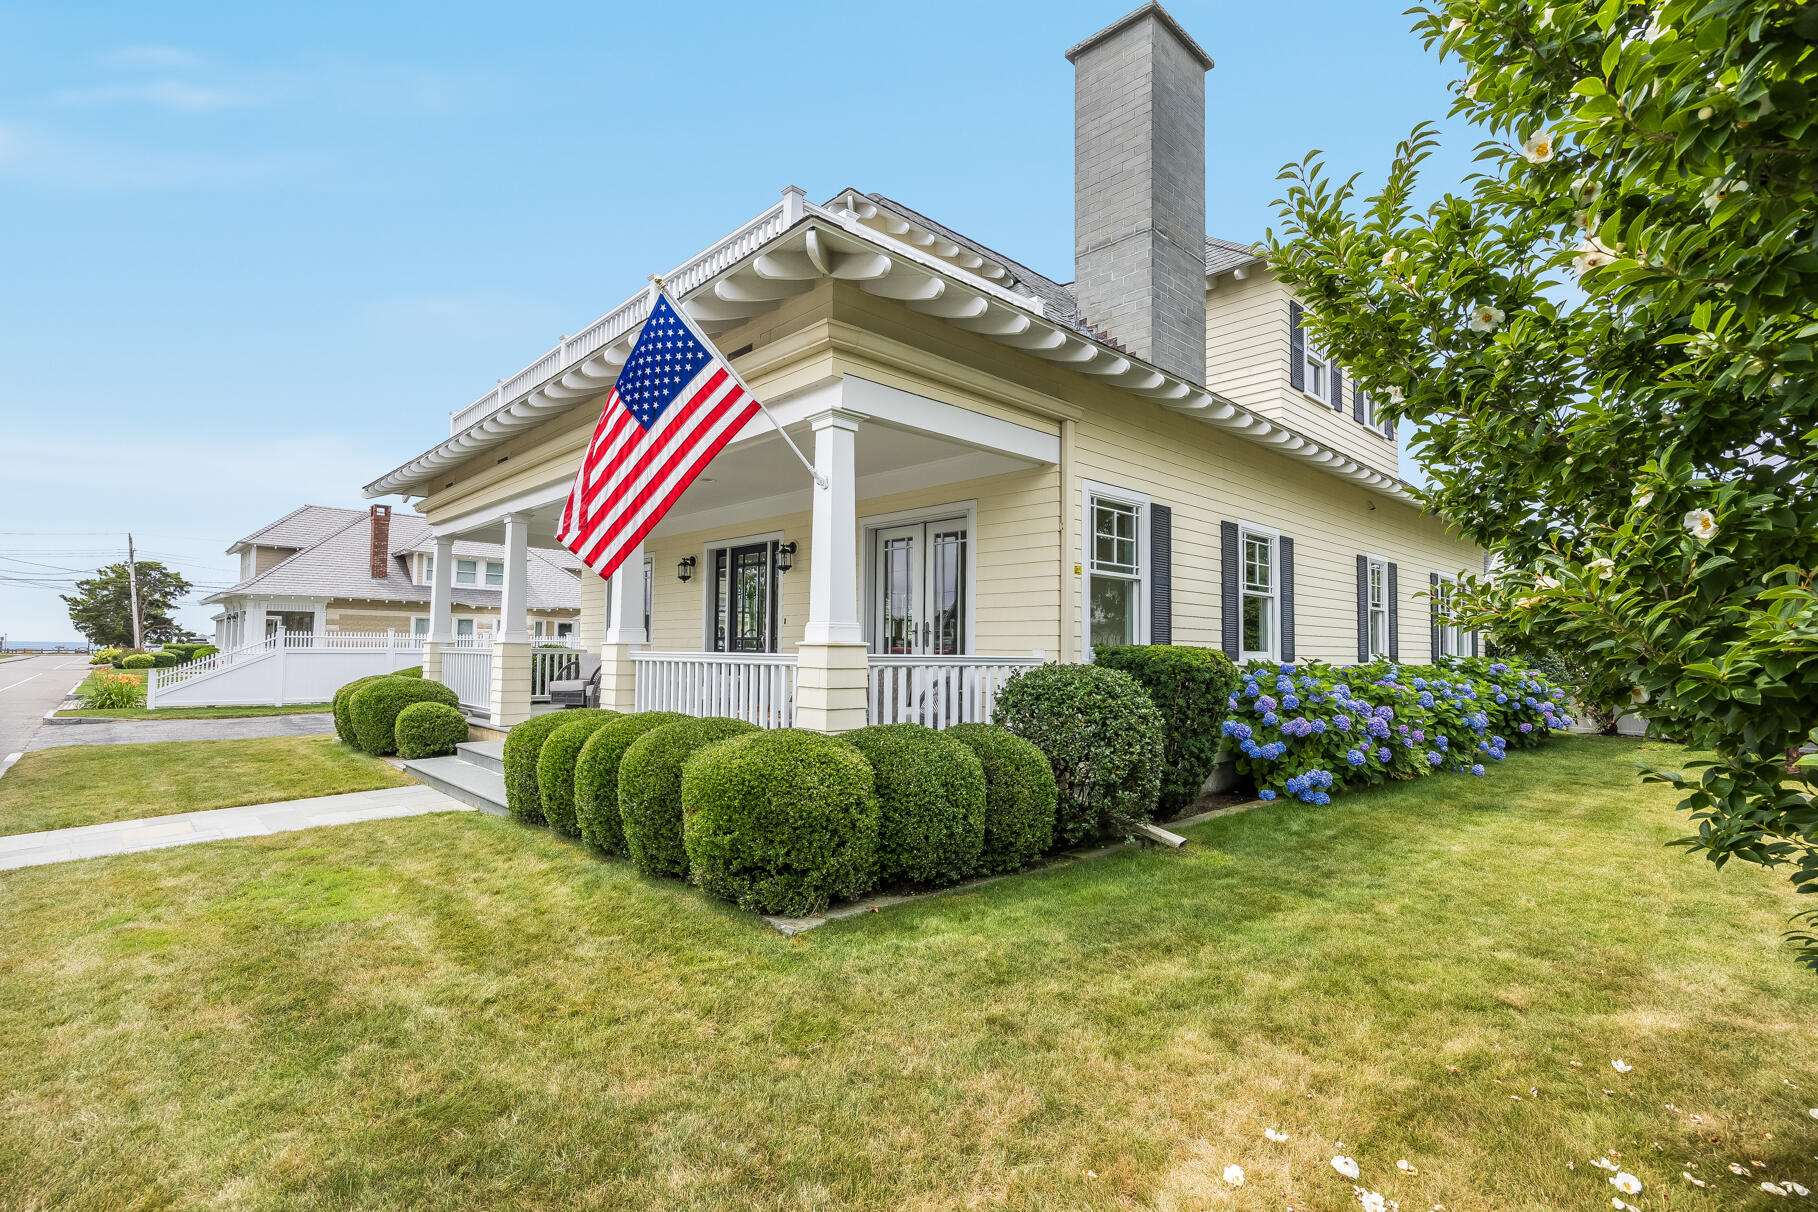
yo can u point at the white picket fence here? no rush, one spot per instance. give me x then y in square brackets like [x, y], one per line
[286, 668]
[940, 691]
[467, 670]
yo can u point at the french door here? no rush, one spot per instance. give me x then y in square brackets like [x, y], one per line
[744, 598]
[920, 588]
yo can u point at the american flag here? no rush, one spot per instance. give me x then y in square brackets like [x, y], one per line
[676, 404]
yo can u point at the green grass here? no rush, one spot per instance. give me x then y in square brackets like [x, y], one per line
[193, 713]
[457, 1012]
[88, 784]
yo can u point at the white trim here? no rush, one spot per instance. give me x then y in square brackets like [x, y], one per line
[888, 405]
[1123, 496]
[868, 528]
[1451, 636]
[1372, 561]
[1274, 536]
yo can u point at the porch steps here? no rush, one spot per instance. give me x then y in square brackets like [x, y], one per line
[475, 775]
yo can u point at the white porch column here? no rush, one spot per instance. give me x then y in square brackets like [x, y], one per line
[832, 671]
[511, 644]
[441, 608]
[624, 632]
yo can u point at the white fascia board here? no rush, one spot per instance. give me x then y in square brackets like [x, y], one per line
[906, 410]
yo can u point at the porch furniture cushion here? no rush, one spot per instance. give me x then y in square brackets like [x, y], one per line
[930, 801]
[780, 821]
[375, 707]
[596, 776]
[582, 690]
[523, 749]
[650, 790]
[1019, 796]
[556, 767]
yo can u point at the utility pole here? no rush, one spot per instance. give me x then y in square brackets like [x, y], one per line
[132, 584]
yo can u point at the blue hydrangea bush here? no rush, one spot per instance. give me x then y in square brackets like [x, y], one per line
[1313, 731]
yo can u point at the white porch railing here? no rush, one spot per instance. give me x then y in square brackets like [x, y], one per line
[757, 687]
[467, 670]
[176, 675]
[288, 667]
[940, 691]
[552, 661]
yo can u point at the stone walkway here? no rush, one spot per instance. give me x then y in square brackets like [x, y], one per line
[138, 732]
[254, 820]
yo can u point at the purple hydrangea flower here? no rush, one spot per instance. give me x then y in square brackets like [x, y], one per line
[1383, 754]
[1433, 759]
[1265, 794]
[1477, 769]
[1269, 717]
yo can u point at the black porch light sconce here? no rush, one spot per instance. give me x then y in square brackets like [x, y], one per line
[785, 556]
[684, 571]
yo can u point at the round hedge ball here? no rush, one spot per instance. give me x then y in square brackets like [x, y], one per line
[374, 708]
[930, 803]
[556, 771]
[429, 729]
[780, 821]
[342, 707]
[138, 660]
[1019, 796]
[596, 776]
[523, 749]
[650, 790]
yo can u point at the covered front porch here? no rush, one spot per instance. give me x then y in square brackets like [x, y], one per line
[909, 588]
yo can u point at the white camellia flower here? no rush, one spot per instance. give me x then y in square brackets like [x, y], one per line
[1642, 500]
[1546, 582]
[1345, 1166]
[1457, 24]
[1277, 1137]
[1701, 524]
[1714, 196]
[1592, 254]
[1813, 1113]
[1371, 1201]
[1796, 1189]
[1485, 318]
[1396, 395]
[1406, 1167]
[1606, 567]
[1687, 1175]
[1621, 1066]
[1538, 147]
[1626, 1183]
[1773, 1188]
[1639, 695]
[1234, 1174]
[1604, 1163]
[1470, 89]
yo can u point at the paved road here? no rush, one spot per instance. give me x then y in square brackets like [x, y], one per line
[29, 687]
[136, 732]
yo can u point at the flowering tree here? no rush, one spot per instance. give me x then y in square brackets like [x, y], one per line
[1605, 343]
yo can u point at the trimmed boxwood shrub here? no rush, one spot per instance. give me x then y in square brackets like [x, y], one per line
[1019, 796]
[1102, 737]
[780, 821]
[138, 660]
[524, 748]
[163, 659]
[556, 770]
[429, 729]
[1189, 686]
[650, 790]
[104, 656]
[180, 652]
[203, 650]
[596, 776]
[344, 727]
[930, 803]
[374, 708]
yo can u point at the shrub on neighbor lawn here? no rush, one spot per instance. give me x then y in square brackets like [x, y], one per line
[1019, 796]
[596, 776]
[1102, 737]
[113, 691]
[780, 821]
[138, 660]
[1189, 686]
[375, 707]
[650, 790]
[203, 650]
[163, 659]
[180, 651]
[104, 656]
[524, 748]
[429, 729]
[930, 803]
[556, 770]
[1313, 731]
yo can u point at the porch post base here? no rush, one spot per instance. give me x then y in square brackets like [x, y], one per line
[432, 661]
[618, 678]
[510, 682]
[832, 687]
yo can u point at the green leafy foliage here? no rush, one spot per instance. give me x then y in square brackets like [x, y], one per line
[556, 770]
[1102, 737]
[429, 729]
[1606, 345]
[1189, 687]
[101, 607]
[780, 821]
[113, 691]
[374, 709]
[165, 659]
[596, 776]
[138, 660]
[1019, 796]
[524, 749]
[931, 803]
[650, 790]
[341, 704]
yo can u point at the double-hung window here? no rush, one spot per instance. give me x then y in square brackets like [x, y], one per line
[1317, 370]
[495, 574]
[1260, 586]
[1377, 604]
[1451, 638]
[1116, 567]
[466, 572]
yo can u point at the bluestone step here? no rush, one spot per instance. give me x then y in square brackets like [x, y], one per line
[462, 780]
[488, 755]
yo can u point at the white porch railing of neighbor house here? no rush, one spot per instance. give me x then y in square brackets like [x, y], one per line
[553, 661]
[757, 687]
[940, 691]
[467, 670]
[288, 667]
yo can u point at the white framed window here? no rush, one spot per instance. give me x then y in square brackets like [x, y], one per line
[1259, 592]
[463, 629]
[495, 574]
[467, 572]
[419, 624]
[1317, 382]
[1377, 606]
[426, 570]
[536, 629]
[1451, 638]
[1116, 566]
[564, 630]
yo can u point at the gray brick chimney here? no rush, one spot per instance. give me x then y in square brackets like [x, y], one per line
[1139, 188]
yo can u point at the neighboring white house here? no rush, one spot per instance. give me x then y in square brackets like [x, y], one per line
[1016, 469]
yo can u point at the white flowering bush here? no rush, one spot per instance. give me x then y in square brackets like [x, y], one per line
[1605, 342]
[1314, 730]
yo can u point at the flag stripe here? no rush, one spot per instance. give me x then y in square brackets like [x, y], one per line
[641, 440]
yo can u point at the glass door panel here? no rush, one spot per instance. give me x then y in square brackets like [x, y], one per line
[920, 586]
[946, 593]
[750, 607]
[899, 589]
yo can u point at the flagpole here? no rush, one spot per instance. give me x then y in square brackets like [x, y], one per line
[657, 281]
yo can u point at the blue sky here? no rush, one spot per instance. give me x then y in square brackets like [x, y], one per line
[253, 255]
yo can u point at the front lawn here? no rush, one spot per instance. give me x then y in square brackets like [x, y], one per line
[88, 784]
[458, 1012]
[194, 713]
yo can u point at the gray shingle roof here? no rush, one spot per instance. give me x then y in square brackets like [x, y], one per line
[337, 567]
[1223, 256]
[302, 527]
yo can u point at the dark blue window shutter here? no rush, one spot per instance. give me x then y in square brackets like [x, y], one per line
[1433, 613]
[1474, 651]
[1161, 574]
[1394, 617]
[1360, 405]
[1228, 603]
[1338, 388]
[1363, 609]
[1297, 349]
[1388, 429]
[1285, 604]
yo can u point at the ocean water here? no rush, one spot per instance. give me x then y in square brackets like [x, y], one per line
[13, 645]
